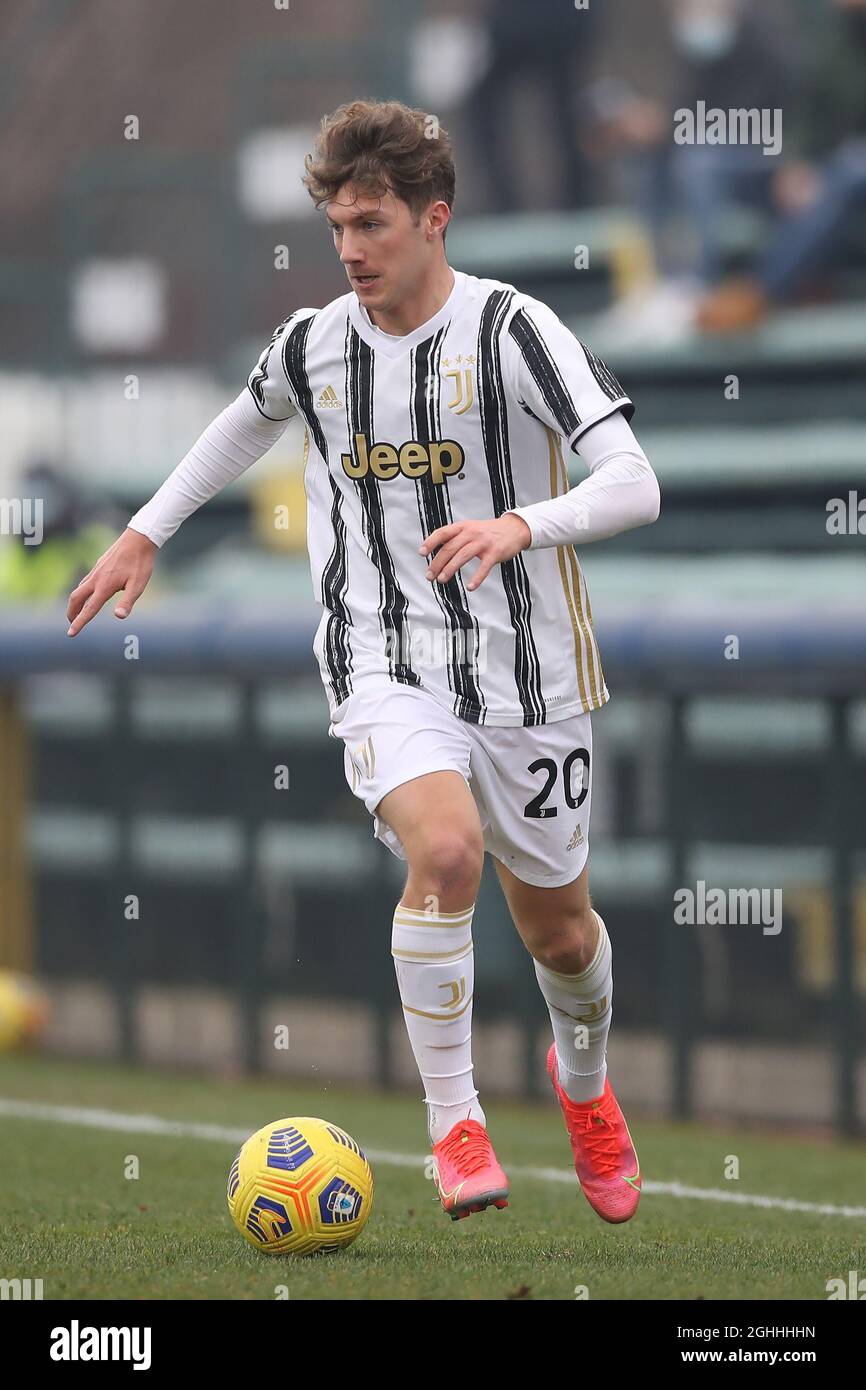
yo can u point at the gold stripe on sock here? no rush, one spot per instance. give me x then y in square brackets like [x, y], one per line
[443, 916]
[412, 922]
[433, 956]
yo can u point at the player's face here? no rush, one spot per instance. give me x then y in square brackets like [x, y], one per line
[384, 252]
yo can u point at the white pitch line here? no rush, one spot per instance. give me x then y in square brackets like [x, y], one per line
[225, 1134]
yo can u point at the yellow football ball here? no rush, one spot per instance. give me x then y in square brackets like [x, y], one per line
[23, 1010]
[300, 1187]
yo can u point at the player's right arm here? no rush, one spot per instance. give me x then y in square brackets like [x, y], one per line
[232, 443]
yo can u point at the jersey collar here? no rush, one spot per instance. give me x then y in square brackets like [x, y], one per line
[395, 347]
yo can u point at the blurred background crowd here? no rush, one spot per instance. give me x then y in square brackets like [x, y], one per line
[149, 165]
[153, 230]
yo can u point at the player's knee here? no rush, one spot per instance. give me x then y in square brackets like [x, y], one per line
[450, 860]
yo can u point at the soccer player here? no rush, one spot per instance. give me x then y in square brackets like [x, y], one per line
[456, 641]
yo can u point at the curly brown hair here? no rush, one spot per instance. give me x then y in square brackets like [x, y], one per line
[382, 146]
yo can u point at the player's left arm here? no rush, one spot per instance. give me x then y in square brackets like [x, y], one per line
[569, 389]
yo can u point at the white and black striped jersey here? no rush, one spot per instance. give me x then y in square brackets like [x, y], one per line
[465, 417]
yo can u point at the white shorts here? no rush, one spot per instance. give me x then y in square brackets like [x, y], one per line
[532, 786]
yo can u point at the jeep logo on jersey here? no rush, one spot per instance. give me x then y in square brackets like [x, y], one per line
[439, 458]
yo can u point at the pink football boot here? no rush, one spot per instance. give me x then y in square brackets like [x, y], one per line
[604, 1156]
[468, 1177]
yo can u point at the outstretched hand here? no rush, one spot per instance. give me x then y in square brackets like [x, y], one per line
[490, 542]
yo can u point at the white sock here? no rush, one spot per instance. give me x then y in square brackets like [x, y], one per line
[433, 958]
[580, 1011]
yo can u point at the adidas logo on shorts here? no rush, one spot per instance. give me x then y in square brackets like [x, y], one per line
[576, 839]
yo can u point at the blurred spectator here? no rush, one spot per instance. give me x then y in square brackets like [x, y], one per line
[551, 40]
[823, 191]
[728, 58]
[69, 540]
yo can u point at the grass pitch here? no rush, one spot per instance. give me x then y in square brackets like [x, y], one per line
[68, 1215]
